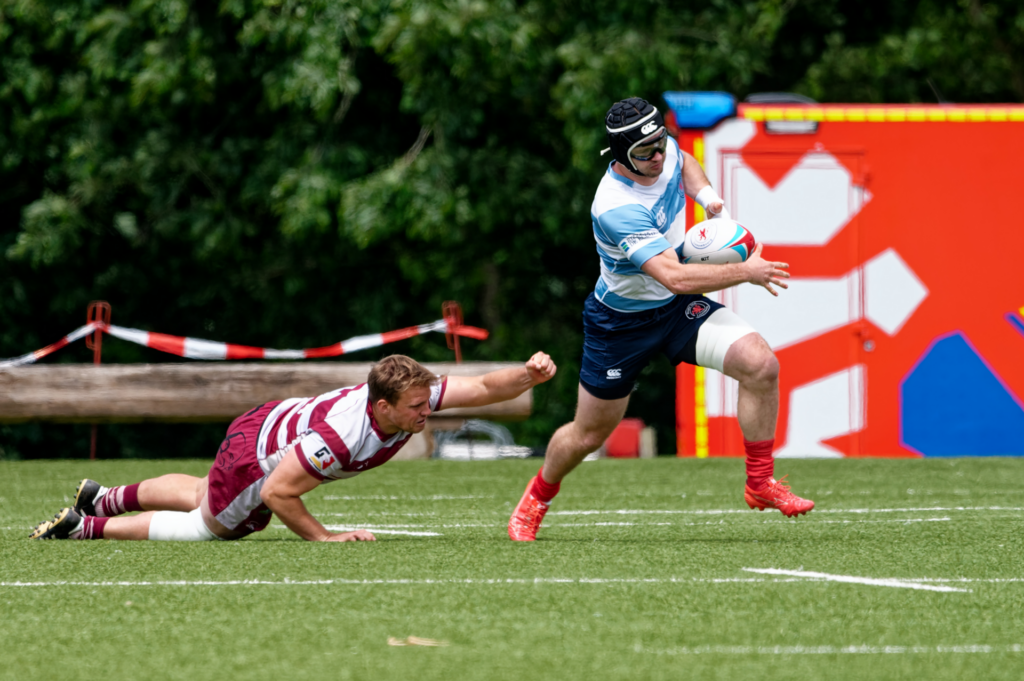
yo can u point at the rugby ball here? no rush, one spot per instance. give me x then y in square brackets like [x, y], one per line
[716, 242]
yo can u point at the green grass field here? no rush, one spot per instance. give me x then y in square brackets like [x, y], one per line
[647, 570]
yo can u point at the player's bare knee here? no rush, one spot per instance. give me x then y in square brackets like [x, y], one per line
[750, 361]
[766, 367]
[760, 370]
[201, 488]
[592, 441]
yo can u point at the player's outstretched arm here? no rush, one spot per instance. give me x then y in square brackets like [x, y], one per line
[683, 279]
[282, 494]
[497, 386]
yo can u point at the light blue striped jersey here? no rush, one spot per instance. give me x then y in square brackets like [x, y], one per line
[632, 224]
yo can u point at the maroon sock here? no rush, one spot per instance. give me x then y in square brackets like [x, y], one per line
[119, 500]
[760, 464]
[131, 497]
[543, 490]
[92, 528]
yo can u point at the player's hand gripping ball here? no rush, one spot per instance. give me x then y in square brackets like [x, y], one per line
[716, 242]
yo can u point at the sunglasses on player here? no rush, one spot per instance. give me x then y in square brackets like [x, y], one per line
[647, 151]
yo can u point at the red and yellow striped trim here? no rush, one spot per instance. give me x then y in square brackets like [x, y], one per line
[700, 413]
[883, 113]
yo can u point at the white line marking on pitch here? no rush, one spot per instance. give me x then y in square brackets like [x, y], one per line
[388, 527]
[922, 509]
[724, 511]
[609, 524]
[384, 497]
[379, 530]
[829, 650]
[894, 583]
[896, 520]
[780, 521]
[965, 580]
[803, 578]
[422, 526]
[416, 582]
[427, 514]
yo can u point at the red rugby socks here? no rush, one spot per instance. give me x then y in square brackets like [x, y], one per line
[760, 464]
[542, 490]
[119, 500]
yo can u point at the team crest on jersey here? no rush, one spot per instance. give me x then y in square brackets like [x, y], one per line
[322, 459]
[697, 309]
[661, 218]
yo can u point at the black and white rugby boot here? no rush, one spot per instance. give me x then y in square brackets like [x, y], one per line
[63, 525]
[87, 496]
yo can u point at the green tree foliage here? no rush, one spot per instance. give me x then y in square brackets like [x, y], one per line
[290, 173]
[963, 51]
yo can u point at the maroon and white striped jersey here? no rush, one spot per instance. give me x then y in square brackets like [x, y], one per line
[335, 435]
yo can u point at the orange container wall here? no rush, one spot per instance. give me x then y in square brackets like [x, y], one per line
[902, 332]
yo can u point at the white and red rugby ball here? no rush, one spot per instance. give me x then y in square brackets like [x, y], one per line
[716, 242]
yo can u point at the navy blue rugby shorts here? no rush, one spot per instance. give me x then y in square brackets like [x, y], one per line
[618, 345]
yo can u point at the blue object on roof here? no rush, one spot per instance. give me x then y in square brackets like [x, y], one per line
[700, 109]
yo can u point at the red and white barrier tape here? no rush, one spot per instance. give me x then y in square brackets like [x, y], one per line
[197, 348]
[39, 354]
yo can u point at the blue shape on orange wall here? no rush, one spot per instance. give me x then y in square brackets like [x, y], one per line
[953, 404]
[1016, 320]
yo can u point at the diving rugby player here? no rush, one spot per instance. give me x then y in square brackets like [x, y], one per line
[277, 452]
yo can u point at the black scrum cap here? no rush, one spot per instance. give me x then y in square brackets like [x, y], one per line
[628, 123]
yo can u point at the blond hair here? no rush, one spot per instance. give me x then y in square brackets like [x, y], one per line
[393, 375]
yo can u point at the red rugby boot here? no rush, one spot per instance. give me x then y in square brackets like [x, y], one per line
[525, 520]
[774, 494]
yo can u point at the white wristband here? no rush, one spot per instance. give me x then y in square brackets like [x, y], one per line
[706, 196]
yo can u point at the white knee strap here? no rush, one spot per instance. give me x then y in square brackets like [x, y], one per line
[179, 526]
[715, 336]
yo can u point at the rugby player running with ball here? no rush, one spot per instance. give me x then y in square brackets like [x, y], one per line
[646, 301]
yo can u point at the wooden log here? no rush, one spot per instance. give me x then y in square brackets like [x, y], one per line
[196, 392]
